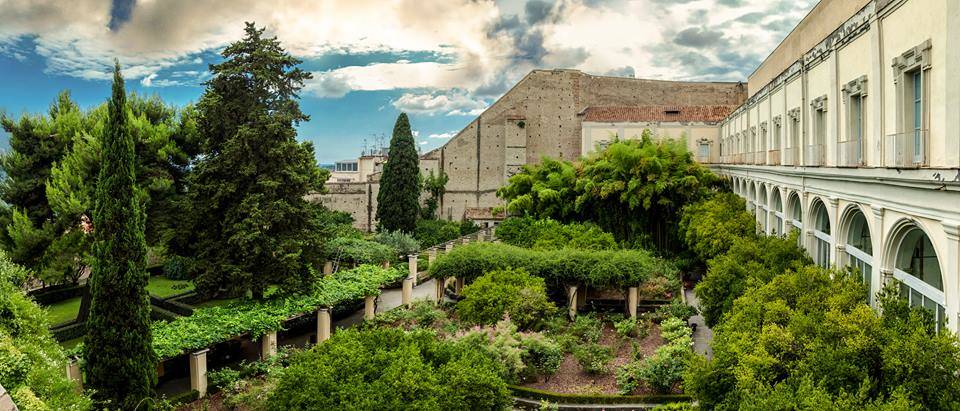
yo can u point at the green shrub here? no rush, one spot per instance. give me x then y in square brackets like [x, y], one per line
[626, 327]
[599, 269]
[359, 251]
[587, 328]
[178, 267]
[665, 368]
[468, 227]
[676, 309]
[542, 356]
[403, 244]
[709, 227]
[387, 368]
[550, 234]
[593, 358]
[423, 314]
[505, 292]
[430, 233]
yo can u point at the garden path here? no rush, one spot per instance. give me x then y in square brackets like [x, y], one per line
[704, 335]
[388, 300]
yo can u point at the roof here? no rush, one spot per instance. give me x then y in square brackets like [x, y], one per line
[638, 114]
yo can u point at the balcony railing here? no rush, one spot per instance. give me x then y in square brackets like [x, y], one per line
[851, 153]
[791, 156]
[748, 158]
[813, 155]
[773, 157]
[907, 150]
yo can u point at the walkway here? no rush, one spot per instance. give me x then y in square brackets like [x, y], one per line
[388, 300]
[704, 335]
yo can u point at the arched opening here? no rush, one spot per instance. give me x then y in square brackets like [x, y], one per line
[917, 269]
[776, 206]
[796, 215]
[751, 197]
[821, 234]
[859, 246]
[762, 209]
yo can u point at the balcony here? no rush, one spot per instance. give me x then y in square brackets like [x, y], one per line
[791, 156]
[813, 155]
[906, 150]
[773, 157]
[851, 153]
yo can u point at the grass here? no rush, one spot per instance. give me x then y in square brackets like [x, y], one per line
[68, 344]
[64, 311]
[163, 287]
[215, 303]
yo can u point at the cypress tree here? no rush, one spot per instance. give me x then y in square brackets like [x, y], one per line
[398, 201]
[120, 362]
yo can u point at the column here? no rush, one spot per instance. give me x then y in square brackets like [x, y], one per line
[632, 300]
[448, 247]
[74, 374]
[879, 250]
[440, 284]
[406, 296]
[386, 264]
[369, 307]
[198, 372]
[323, 325]
[951, 274]
[465, 240]
[412, 264]
[458, 285]
[572, 301]
[328, 267]
[833, 210]
[268, 345]
[480, 236]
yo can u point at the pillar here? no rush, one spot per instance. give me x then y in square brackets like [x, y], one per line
[833, 209]
[480, 236]
[441, 283]
[951, 263]
[458, 286]
[448, 247]
[328, 267]
[632, 300]
[465, 240]
[268, 345]
[386, 264]
[323, 325]
[412, 264]
[198, 372]
[369, 307]
[572, 301]
[74, 374]
[406, 297]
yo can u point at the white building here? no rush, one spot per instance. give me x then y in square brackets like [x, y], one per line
[851, 134]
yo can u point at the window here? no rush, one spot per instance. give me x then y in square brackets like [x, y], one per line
[856, 126]
[860, 248]
[917, 113]
[346, 166]
[703, 151]
[821, 235]
[918, 271]
[908, 146]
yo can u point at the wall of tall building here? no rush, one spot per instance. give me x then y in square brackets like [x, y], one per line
[856, 143]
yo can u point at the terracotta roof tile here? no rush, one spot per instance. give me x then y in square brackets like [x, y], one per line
[638, 114]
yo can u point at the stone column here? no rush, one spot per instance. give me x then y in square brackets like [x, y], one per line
[386, 264]
[465, 240]
[268, 345]
[833, 208]
[323, 325]
[369, 307]
[328, 267]
[886, 276]
[951, 261]
[572, 301]
[458, 286]
[198, 372]
[480, 236]
[406, 297]
[448, 247]
[74, 374]
[412, 264]
[632, 299]
[441, 283]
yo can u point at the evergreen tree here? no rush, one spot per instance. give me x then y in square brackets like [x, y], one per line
[251, 222]
[398, 202]
[120, 362]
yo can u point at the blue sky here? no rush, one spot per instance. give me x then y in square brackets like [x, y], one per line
[441, 61]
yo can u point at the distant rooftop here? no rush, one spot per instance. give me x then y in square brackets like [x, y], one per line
[639, 114]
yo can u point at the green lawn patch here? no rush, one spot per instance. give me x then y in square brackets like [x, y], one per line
[164, 287]
[63, 311]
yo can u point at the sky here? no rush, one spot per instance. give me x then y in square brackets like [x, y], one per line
[440, 61]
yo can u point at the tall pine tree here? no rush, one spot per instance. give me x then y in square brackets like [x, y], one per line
[398, 201]
[252, 224]
[120, 362]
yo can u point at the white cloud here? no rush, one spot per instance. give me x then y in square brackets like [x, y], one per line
[454, 103]
[449, 134]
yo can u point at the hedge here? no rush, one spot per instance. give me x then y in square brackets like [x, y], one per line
[360, 251]
[208, 326]
[601, 399]
[56, 293]
[600, 269]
